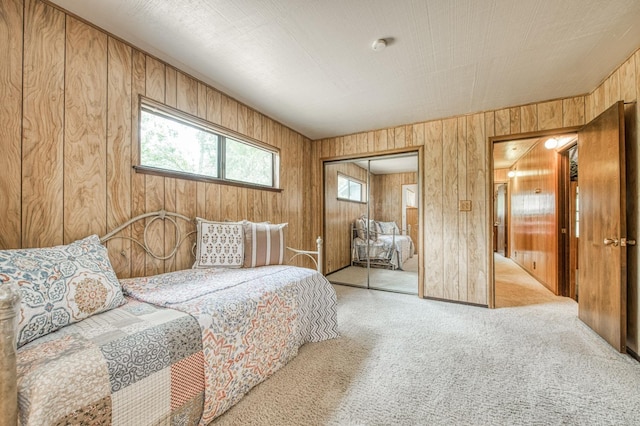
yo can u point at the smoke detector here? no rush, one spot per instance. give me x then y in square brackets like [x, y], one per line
[379, 45]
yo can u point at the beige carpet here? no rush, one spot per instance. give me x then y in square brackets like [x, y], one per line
[402, 360]
[405, 280]
[515, 287]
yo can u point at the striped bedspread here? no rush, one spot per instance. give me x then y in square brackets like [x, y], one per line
[134, 365]
[252, 321]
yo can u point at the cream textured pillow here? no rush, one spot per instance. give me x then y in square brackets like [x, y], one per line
[263, 244]
[60, 285]
[219, 244]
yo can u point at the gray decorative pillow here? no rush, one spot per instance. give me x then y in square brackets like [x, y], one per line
[361, 228]
[60, 285]
[219, 244]
[387, 228]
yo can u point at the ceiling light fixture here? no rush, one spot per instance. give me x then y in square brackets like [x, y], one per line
[379, 45]
[551, 143]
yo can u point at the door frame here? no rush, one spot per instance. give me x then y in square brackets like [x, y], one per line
[419, 150]
[491, 291]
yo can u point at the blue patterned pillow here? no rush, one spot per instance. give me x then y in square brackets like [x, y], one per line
[60, 285]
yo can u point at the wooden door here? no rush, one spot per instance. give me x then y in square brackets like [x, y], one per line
[602, 262]
[412, 220]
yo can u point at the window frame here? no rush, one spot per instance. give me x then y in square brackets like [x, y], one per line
[363, 189]
[170, 113]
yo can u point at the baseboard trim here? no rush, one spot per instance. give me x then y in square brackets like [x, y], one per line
[437, 299]
[633, 354]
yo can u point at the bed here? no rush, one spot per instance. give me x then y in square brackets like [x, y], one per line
[180, 348]
[379, 244]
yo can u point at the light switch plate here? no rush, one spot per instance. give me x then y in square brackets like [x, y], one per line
[464, 205]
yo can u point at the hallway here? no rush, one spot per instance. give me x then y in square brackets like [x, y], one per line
[515, 287]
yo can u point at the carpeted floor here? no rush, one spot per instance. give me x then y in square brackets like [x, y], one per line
[402, 360]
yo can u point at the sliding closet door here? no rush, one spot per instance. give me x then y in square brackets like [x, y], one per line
[367, 242]
[346, 195]
[393, 263]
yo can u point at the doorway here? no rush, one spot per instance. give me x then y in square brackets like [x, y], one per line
[540, 222]
[531, 215]
[369, 206]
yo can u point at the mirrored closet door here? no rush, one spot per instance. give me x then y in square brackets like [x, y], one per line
[371, 220]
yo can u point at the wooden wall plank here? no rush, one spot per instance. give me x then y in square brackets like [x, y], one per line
[138, 87]
[201, 199]
[214, 106]
[230, 114]
[434, 190]
[380, 140]
[85, 138]
[11, 51]
[450, 215]
[573, 111]
[598, 102]
[417, 137]
[628, 80]
[612, 88]
[477, 174]
[155, 77]
[202, 101]
[463, 242]
[187, 94]
[502, 122]
[171, 83]
[550, 115]
[154, 201]
[515, 120]
[169, 228]
[185, 196]
[399, 137]
[529, 118]
[119, 130]
[43, 121]
[243, 120]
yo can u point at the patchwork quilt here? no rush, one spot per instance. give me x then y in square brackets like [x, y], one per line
[252, 321]
[136, 364]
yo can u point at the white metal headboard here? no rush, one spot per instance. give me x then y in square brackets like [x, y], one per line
[157, 215]
[173, 217]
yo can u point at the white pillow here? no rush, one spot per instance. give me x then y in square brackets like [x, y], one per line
[219, 244]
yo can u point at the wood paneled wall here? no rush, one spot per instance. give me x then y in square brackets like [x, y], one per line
[68, 127]
[534, 215]
[339, 215]
[455, 167]
[387, 204]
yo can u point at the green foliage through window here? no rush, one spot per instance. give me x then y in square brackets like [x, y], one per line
[174, 144]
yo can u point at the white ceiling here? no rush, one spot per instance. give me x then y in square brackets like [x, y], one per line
[309, 63]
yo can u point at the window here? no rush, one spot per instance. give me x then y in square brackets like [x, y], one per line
[351, 189]
[174, 143]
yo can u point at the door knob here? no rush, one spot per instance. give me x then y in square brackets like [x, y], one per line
[627, 242]
[611, 242]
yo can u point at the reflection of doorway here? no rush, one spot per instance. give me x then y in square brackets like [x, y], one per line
[367, 241]
[410, 212]
[501, 217]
